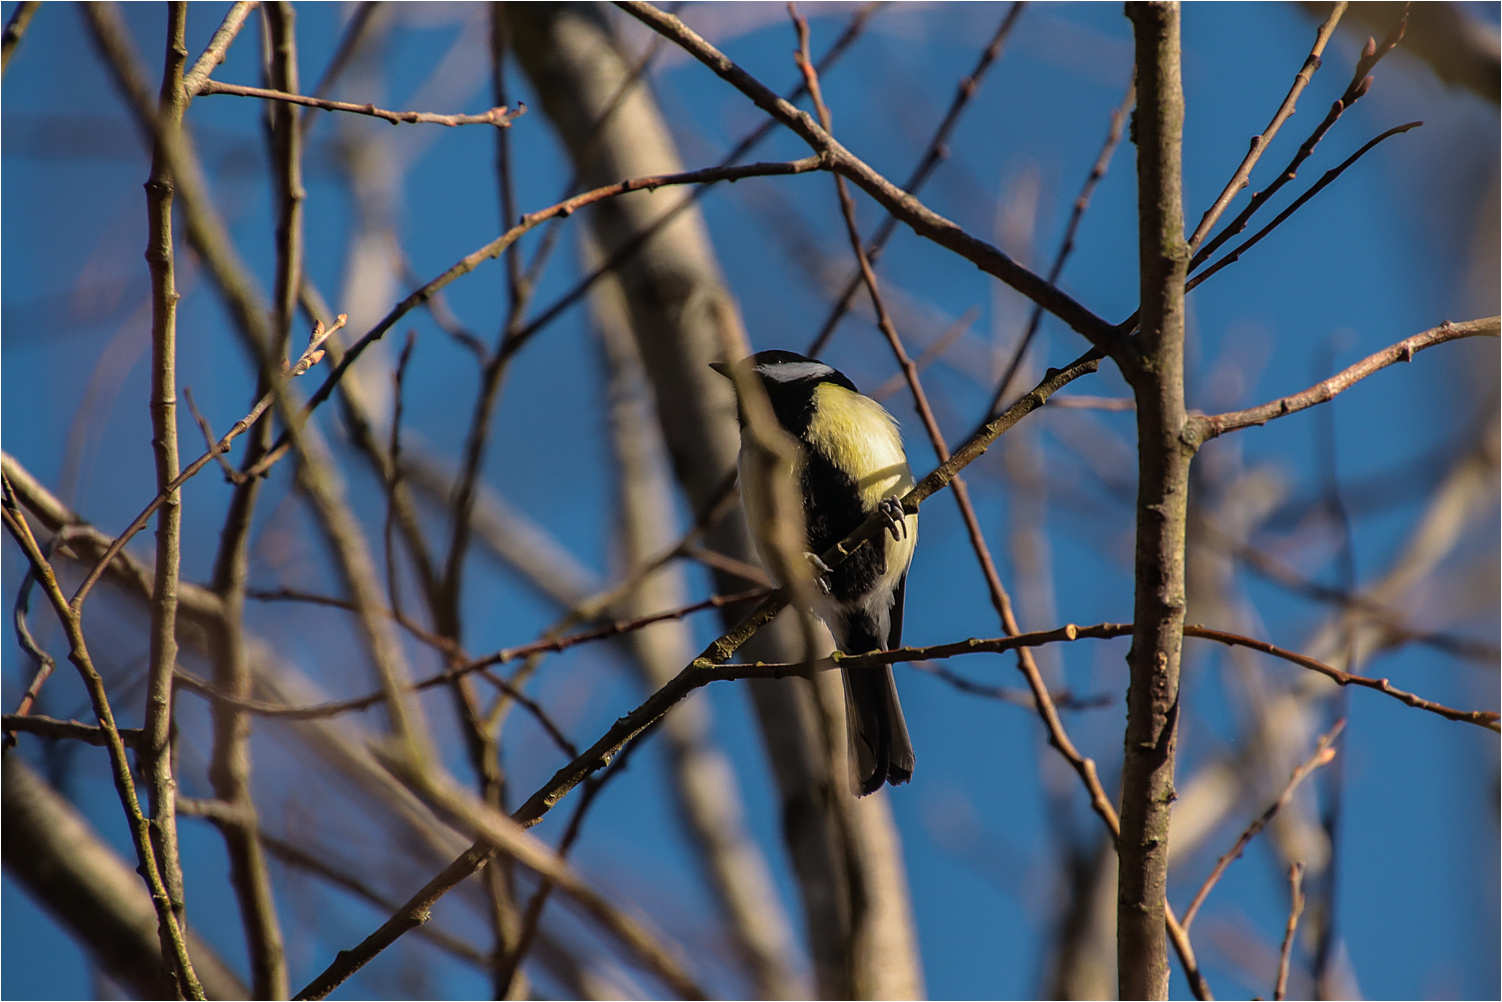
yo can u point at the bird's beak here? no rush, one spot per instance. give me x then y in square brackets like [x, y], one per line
[721, 368]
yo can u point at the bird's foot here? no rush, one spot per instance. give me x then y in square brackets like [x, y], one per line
[821, 570]
[891, 510]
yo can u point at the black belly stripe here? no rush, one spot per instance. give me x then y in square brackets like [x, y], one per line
[832, 506]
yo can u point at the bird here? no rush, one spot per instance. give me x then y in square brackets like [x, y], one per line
[850, 465]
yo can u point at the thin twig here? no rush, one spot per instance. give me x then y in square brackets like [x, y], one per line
[931, 354]
[176, 950]
[309, 358]
[1016, 697]
[1360, 83]
[393, 483]
[1325, 179]
[1481, 718]
[464, 666]
[20, 18]
[295, 855]
[702, 670]
[1323, 755]
[924, 221]
[628, 249]
[1201, 428]
[500, 117]
[1295, 909]
[67, 730]
[496, 247]
[1264, 139]
[46, 664]
[936, 152]
[532, 919]
[500, 834]
[1000, 600]
[1066, 245]
[230, 474]
[213, 53]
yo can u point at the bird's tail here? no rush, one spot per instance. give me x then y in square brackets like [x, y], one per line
[880, 749]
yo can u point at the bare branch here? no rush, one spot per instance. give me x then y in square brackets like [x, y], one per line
[309, 358]
[499, 117]
[156, 750]
[1262, 140]
[1360, 83]
[1323, 755]
[173, 942]
[1325, 180]
[936, 153]
[1202, 428]
[213, 53]
[499, 833]
[20, 18]
[67, 730]
[496, 247]
[924, 221]
[1295, 909]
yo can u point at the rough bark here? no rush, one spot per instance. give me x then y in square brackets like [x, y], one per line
[1154, 367]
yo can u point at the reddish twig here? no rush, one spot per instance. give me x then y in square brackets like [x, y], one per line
[497, 246]
[1360, 83]
[1295, 909]
[935, 154]
[1261, 141]
[1323, 755]
[1201, 428]
[923, 221]
[1066, 246]
[309, 358]
[46, 664]
[1325, 179]
[500, 117]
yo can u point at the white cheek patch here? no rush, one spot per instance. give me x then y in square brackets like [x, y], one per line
[791, 372]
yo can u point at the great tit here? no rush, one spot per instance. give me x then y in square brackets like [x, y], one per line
[850, 465]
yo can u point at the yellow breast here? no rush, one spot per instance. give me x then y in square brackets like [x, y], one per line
[861, 438]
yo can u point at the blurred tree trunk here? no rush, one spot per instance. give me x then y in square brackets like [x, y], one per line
[704, 783]
[846, 855]
[54, 852]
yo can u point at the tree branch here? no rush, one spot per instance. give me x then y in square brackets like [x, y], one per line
[1154, 366]
[924, 221]
[499, 117]
[1202, 428]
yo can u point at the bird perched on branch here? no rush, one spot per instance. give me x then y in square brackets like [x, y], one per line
[849, 465]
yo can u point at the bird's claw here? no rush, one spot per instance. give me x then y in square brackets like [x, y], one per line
[896, 519]
[821, 571]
